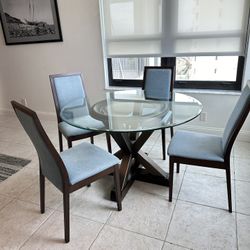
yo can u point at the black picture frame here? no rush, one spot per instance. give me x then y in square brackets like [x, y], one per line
[30, 21]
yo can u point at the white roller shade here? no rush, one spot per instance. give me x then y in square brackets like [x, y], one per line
[174, 27]
[132, 27]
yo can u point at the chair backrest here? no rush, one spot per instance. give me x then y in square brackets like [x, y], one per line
[158, 82]
[66, 88]
[236, 120]
[51, 163]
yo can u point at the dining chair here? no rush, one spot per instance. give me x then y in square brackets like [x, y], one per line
[67, 88]
[70, 170]
[207, 150]
[158, 84]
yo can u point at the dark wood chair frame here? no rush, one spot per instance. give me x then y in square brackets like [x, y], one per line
[70, 139]
[163, 131]
[211, 164]
[67, 187]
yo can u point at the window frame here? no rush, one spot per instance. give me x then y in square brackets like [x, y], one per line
[171, 61]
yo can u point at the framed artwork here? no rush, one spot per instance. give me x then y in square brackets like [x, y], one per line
[30, 21]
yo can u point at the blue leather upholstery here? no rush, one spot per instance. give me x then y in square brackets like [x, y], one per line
[244, 101]
[157, 83]
[209, 150]
[196, 146]
[81, 161]
[73, 166]
[68, 88]
[48, 164]
[69, 130]
[85, 160]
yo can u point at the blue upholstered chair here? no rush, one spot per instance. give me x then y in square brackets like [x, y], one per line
[67, 88]
[158, 84]
[209, 150]
[71, 169]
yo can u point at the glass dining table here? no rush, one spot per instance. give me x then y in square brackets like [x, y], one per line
[131, 119]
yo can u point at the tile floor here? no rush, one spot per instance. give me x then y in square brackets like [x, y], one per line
[196, 219]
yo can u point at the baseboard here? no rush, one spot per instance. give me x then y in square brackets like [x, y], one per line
[6, 111]
[41, 114]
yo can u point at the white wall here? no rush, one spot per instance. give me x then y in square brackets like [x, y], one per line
[218, 108]
[24, 69]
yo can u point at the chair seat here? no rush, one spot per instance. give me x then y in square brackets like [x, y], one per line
[67, 130]
[198, 146]
[85, 160]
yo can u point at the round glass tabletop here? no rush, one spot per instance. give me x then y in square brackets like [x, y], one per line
[130, 111]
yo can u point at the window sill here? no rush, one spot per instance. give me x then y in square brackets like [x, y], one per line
[119, 88]
[208, 91]
[187, 91]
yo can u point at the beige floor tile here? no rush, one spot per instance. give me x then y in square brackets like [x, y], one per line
[9, 121]
[210, 171]
[51, 234]
[143, 212]
[146, 210]
[17, 183]
[154, 189]
[17, 150]
[242, 149]
[53, 197]
[113, 238]
[169, 246]
[146, 149]
[94, 202]
[31, 169]
[243, 226]
[14, 135]
[242, 197]
[156, 153]
[18, 221]
[4, 200]
[200, 227]
[206, 190]
[242, 169]
[165, 165]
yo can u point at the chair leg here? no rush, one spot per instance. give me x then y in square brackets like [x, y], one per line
[178, 168]
[163, 136]
[69, 144]
[60, 141]
[117, 188]
[171, 178]
[66, 216]
[42, 192]
[228, 177]
[171, 132]
[108, 138]
[92, 139]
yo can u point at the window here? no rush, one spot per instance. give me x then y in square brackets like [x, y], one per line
[206, 68]
[202, 72]
[206, 44]
[209, 72]
[132, 68]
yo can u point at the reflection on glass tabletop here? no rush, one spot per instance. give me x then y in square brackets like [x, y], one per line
[130, 111]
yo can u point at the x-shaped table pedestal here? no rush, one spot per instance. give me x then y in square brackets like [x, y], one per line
[135, 164]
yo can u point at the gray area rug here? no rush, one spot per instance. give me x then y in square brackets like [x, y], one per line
[9, 165]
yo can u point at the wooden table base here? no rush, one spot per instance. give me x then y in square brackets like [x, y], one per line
[135, 164]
